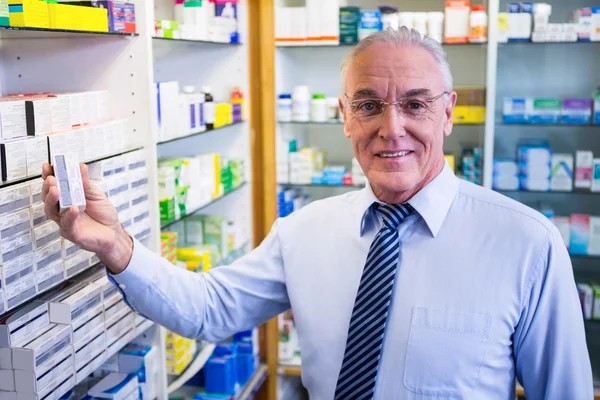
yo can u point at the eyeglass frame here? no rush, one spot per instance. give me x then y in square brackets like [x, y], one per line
[384, 104]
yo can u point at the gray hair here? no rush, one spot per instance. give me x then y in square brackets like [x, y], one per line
[403, 35]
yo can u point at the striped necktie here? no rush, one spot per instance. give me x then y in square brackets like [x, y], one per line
[367, 325]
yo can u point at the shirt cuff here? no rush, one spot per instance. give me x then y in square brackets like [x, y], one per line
[138, 275]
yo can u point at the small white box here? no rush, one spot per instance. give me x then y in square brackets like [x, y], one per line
[43, 384]
[57, 143]
[45, 352]
[562, 172]
[596, 175]
[77, 306]
[90, 350]
[69, 248]
[14, 198]
[37, 154]
[13, 121]
[8, 396]
[76, 143]
[20, 291]
[77, 263]
[39, 116]
[56, 394]
[100, 170]
[17, 269]
[61, 114]
[48, 254]
[90, 367]
[103, 105]
[584, 162]
[7, 380]
[14, 160]
[89, 143]
[22, 326]
[121, 328]
[50, 276]
[14, 224]
[68, 175]
[563, 224]
[594, 241]
[35, 191]
[44, 234]
[16, 246]
[115, 386]
[133, 358]
[135, 159]
[37, 214]
[116, 313]
[88, 331]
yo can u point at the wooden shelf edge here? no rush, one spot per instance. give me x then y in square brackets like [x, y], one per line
[289, 370]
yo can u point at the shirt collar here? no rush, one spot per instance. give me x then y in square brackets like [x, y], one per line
[432, 202]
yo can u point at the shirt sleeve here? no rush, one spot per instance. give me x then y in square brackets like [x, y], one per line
[210, 306]
[551, 354]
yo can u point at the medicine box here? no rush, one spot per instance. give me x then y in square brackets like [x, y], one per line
[50, 276]
[90, 350]
[7, 380]
[120, 329]
[69, 248]
[15, 247]
[597, 107]
[596, 307]
[138, 360]
[35, 191]
[4, 14]
[115, 386]
[45, 233]
[545, 111]
[596, 175]
[580, 234]
[584, 161]
[44, 384]
[562, 172]
[37, 154]
[14, 160]
[115, 313]
[594, 240]
[78, 305]
[586, 297]
[576, 111]
[14, 198]
[37, 214]
[56, 394]
[86, 332]
[370, 22]
[68, 175]
[77, 263]
[12, 119]
[48, 254]
[38, 112]
[84, 372]
[19, 280]
[45, 352]
[14, 224]
[517, 110]
[24, 325]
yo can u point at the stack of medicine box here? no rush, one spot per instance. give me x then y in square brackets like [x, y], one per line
[124, 180]
[535, 167]
[505, 175]
[472, 163]
[180, 352]
[304, 164]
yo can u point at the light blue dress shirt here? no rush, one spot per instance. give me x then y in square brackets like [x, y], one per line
[484, 293]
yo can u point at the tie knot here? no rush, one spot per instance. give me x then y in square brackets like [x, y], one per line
[394, 214]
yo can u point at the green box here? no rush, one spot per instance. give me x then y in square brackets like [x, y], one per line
[349, 24]
[167, 209]
[214, 231]
[4, 16]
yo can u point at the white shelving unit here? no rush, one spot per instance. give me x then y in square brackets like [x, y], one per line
[127, 65]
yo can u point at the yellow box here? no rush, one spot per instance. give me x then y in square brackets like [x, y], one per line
[174, 355]
[178, 367]
[468, 115]
[78, 18]
[34, 14]
[219, 187]
[450, 159]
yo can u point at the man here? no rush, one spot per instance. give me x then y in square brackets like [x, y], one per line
[418, 286]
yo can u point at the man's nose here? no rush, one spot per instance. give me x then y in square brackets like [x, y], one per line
[392, 123]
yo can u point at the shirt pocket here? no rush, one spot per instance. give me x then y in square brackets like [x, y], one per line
[445, 352]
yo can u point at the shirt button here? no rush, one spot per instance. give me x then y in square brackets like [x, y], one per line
[123, 287]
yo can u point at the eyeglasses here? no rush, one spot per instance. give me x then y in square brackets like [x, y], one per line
[412, 106]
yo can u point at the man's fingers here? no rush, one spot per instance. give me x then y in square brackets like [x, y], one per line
[85, 178]
[48, 183]
[67, 220]
[51, 203]
[47, 171]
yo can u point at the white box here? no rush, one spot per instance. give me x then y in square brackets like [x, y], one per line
[77, 263]
[13, 121]
[69, 248]
[45, 352]
[91, 151]
[135, 159]
[115, 313]
[48, 254]
[594, 240]
[115, 386]
[17, 269]
[118, 330]
[133, 358]
[90, 367]
[50, 276]
[37, 214]
[76, 306]
[14, 198]
[44, 234]
[76, 143]
[35, 190]
[68, 175]
[61, 114]
[43, 384]
[54, 395]
[38, 112]
[14, 224]
[588, 299]
[562, 172]
[7, 380]
[16, 246]
[102, 102]
[20, 291]
[88, 331]
[89, 107]
[584, 162]
[37, 154]
[57, 143]
[90, 350]
[18, 328]
[5, 360]
[14, 160]
[100, 170]
[596, 175]
[563, 224]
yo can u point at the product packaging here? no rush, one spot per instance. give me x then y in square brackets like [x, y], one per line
[580, 234]
[576, 111]
[349, 24]
[562, 172]
[584, 162]
[68, 175]
[370, 22]
[14, 160]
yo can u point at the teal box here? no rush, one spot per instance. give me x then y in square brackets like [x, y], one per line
[349, 24]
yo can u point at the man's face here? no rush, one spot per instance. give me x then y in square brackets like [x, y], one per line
[399, 152]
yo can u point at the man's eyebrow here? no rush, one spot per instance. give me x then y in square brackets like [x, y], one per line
[417, 92]
[364, 92]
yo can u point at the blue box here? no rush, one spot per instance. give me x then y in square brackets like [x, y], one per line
[527, 7]
[246, 366]
[370, 22]
[514, 8]
[221, 375]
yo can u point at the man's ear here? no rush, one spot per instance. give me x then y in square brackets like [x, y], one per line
[450, 113]
[343, 110]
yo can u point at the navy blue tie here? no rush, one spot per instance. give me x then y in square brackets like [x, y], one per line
[358, 374]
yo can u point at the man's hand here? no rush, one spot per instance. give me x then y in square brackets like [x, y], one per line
[97, 229]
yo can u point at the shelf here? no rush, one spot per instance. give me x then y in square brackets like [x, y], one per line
[9, 32]
[165, 224]
[521, 392]
[526, 43]
[32, 177]
[254, 384]
[316, 45]
[195, 367]
[210, 42]
[289, 370]
[342, 123]
[549, 192]
[200, 133]
[553, 125]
